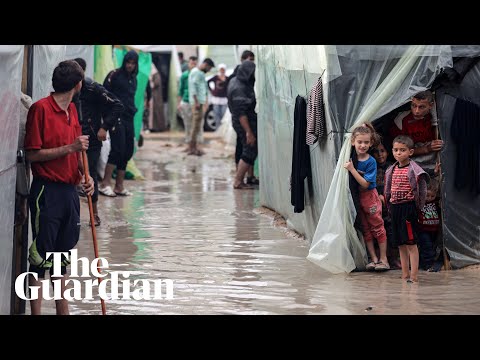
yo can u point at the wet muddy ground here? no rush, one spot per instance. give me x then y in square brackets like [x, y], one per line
[185, 222]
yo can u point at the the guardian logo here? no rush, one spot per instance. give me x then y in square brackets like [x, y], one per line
[139, 289]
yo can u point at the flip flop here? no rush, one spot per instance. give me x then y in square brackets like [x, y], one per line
[381, 266]
[253, 180]
[107, 191]
[124, 192]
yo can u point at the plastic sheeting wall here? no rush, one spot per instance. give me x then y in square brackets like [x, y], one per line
[11, 62]
[226, 54]
[461, 209]
[86, 52]
[103, 62]
[227, 132]
[45, 59]
[279, 79]
[173, 79]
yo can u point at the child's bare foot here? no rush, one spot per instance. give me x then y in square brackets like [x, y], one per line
[412, 281]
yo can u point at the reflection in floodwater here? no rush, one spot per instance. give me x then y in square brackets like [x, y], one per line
[186, 223]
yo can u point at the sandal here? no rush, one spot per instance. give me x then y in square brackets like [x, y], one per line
[124, 192]
[381, 266]
[253, 180]
[371, 266]
[107, 191]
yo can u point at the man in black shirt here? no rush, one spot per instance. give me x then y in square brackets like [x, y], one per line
[98, 110]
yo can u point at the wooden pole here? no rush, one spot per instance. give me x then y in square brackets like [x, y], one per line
[446, 261]
[92, 224]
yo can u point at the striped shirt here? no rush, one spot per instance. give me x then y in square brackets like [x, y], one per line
[401, 190]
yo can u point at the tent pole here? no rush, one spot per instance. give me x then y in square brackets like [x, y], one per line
[446, 261]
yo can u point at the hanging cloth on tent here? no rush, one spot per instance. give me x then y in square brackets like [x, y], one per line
[301, 167]
[464, 131]
[316, 123]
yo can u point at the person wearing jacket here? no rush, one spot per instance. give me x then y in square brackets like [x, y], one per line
[251, 179]
[241, 102]
[98, 110]
[122, 82]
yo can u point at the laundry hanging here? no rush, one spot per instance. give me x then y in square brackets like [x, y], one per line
[301, 167]
[316, 123]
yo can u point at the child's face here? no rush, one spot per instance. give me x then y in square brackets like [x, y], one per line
[380, 154]
[401, 152]
[430, 196]
[362, 143]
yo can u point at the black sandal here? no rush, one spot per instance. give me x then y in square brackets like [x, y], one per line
[253, 180]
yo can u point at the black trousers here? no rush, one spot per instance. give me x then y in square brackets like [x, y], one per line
[248, 152]
[122, 137]
[93, 155]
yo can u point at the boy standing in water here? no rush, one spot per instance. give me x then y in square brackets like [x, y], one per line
[405, 193]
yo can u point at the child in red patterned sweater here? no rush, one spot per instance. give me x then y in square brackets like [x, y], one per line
[405, 192]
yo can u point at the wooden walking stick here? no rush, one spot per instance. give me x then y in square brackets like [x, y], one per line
[92, 224]
[446, 262]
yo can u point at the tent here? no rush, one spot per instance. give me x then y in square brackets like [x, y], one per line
[11, 61]
[26, 68]
[85, 52]
[360, 83]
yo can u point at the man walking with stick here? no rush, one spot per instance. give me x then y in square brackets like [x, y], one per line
[53, 143]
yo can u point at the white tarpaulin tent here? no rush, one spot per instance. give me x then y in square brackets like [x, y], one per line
[86, 52]
[11, 62]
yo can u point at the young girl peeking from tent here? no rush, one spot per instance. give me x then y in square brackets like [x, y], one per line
[364, 137]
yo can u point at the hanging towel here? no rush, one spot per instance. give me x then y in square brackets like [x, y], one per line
[316, 124]
[301, 167]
